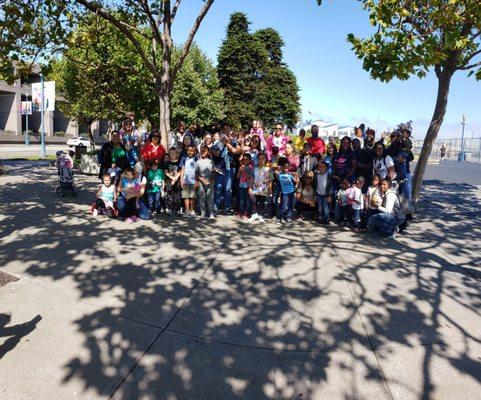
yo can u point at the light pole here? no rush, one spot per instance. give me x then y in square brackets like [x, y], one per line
[462, 155]
[43, 150]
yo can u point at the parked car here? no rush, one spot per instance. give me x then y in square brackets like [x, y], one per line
[79, 141]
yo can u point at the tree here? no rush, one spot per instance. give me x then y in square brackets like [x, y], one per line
[257, 83]
[414, 36]
[38, 28]
[100, 75]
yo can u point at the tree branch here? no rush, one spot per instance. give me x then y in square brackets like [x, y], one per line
[174, 10]
[154, 25]
[190, 38]
[97, 9]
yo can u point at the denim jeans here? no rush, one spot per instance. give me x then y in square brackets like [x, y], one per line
[244, 201]
[322, 207]
[155, 202]
[287, 205]
[384, 223]
[205, 198]
[406, 187]
[144, 212]
[276, 194]
[356, 216]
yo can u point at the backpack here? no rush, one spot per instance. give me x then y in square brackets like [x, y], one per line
[405, 205]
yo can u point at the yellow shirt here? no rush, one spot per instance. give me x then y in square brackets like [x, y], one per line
[299, 143]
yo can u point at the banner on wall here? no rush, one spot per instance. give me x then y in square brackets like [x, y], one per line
[49, 96]
[26, 108]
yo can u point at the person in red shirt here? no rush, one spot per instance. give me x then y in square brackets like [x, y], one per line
[318, 147]
[153, 150]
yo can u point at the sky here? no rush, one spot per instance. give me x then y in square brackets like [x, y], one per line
[333, 85]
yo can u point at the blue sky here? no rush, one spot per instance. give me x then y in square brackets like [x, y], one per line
[333, 84]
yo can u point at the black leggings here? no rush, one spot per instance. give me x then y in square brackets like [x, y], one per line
[258, 204]
[102, 208]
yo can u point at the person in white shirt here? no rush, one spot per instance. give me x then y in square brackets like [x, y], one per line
[390, 215]
[356, 199]
[383, 164]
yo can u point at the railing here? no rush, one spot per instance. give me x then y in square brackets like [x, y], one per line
[472, 149]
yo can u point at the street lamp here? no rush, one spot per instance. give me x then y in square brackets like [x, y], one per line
[43, 150]
[462, 156]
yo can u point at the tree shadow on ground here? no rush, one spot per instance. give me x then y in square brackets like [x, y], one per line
[14, 333]
[243, 311]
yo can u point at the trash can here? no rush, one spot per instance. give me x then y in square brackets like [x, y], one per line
[79, 150]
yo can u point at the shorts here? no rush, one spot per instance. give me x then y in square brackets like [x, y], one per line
[188, 192]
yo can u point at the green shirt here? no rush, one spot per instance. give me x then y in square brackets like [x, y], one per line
[155, 180]
[117, 153]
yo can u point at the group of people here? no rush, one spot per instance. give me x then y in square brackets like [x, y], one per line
[359, 182]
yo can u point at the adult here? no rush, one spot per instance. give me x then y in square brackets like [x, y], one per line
[344, 163]
[112, 153]
[153, 150]
[234, 151]
[219, 155]
[138, 192]
[443, 153]
[300, 141]
[305, 196]
[277, 139]
[318, 147]
[365, 159]
[206, 141]
[175, 139]
[128, 130]
[292, 157]
[331, 153]
[389, 215]
[383, 164]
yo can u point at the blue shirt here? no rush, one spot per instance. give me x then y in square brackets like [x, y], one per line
[188, 164]
[286, 181]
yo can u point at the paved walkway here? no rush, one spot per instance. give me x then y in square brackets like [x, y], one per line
[178, 309]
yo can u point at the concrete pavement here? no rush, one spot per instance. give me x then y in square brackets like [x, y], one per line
[179, 309]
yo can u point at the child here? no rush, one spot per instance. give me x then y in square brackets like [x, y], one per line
[155, 191]
[373, 197]
[342, 201]
[323, 190]
[356, 199]
[288, 182]
[260, 188]
[106, 197]
[128, 187]
[275, 186]
[204, 183]
[187, 180]
[173, 190]
[245, 175]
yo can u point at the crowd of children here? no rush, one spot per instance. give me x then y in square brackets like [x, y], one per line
[255, 175]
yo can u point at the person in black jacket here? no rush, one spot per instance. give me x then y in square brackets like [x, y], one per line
[112, 154]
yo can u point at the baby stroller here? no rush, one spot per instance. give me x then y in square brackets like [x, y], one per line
[66, 183]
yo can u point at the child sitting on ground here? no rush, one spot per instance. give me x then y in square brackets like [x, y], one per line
[129, 189]
[106, 198]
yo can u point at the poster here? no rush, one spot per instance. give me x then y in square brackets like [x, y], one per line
[26, 108]
[49, 96]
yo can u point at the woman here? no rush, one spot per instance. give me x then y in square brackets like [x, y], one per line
[206, 141]
[259, 131]
[343, 163]
[112, 153]
[153, 150]
[389, 215]
[305, 196]
[383, 164]
[277, 139]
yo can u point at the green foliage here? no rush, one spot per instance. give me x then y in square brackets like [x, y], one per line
[102, 76]
[257, 84]
[414, 36]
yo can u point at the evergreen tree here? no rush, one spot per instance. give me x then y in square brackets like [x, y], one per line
[256, 82]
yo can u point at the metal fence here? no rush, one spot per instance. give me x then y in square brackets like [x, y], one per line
[472, 149]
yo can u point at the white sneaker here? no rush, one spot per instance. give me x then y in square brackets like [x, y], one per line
[253, 217]
[212, 216]
[261, 219]
[95, 212]
[202, 214]
[394, 234]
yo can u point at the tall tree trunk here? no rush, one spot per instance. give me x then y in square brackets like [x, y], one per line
[164, 112]
[444, 82]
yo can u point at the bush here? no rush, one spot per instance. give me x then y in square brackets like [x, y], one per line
[59, 133]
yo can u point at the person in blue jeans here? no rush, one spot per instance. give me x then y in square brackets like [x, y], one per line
[390, 215]
[287, 181]
[132, 188]
[323, 191]
[246, 176]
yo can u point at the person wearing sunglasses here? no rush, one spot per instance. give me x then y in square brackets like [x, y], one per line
[153, 150]
[278, 139]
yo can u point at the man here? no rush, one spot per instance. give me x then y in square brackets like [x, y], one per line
[364, 161]
[176, 138]
[318, 147]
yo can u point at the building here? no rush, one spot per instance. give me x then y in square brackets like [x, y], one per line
[327, 129]
[58, 128]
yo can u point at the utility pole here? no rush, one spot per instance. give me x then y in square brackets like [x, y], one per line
[43, 150]
[461, 154]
